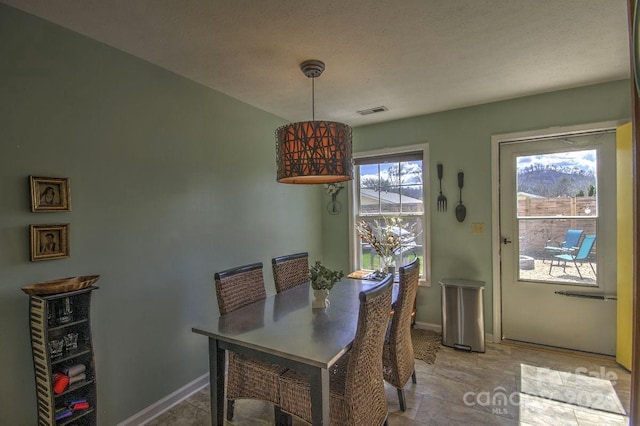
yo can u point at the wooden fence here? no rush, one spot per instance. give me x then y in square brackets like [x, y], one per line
[544, 219]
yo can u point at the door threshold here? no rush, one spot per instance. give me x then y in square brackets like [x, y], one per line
[557, 350]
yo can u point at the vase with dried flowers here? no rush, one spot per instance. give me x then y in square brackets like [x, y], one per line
[322, 281]
[334, 205]
[384, 238]
[333, 189]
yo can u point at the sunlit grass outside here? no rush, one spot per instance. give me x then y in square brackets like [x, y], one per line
[373, 263]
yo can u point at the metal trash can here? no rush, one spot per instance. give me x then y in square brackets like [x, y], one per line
[463, 314]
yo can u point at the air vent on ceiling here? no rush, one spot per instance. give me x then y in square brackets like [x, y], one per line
[374, 110]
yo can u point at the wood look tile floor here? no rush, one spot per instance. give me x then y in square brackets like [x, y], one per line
[509, 384]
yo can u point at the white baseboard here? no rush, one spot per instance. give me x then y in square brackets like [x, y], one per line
[488, 337]
[159, 407]
[428, 326]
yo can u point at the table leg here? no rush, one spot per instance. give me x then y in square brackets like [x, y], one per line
[319, 382]
[216, 381]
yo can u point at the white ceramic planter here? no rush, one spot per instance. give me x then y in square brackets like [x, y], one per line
[320, 298]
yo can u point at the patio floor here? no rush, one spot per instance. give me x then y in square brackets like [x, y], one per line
[540, 272]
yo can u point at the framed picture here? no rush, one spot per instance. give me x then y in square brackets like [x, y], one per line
[49, 241]
[50, 194]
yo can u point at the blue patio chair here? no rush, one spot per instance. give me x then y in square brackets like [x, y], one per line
[570, 243]
[581, 256]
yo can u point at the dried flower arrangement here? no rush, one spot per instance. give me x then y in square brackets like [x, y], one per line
[381, 236]
[333, 189]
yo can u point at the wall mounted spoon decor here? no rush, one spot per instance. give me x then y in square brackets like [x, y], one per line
[461, 210]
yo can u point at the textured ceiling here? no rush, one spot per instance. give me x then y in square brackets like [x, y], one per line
[412, 56]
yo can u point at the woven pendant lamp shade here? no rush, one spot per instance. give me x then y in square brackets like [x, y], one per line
[311, 152]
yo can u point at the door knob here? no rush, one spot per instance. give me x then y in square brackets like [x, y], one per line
[506, 241]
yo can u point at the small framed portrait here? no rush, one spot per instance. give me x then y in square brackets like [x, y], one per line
[49, 241]
[50, 194]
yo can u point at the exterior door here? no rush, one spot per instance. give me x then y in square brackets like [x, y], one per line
[624, 168]
[557, 222]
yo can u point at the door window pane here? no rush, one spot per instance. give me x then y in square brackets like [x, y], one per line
[557, 217]
[562, 183]
[550, 251]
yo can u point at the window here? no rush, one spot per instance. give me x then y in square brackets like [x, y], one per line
[558, 215]
[388, 188]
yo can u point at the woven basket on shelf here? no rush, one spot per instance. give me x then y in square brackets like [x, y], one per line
[62, 285]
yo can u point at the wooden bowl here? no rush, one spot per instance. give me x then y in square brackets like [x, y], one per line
[61, 285]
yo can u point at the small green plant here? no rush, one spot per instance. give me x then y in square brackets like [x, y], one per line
[323, 278]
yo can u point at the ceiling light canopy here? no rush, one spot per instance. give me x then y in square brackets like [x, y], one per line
[310, 152]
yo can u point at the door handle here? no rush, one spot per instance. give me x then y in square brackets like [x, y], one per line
[506, 241]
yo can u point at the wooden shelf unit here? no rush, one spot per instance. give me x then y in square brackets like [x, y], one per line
[45, 314]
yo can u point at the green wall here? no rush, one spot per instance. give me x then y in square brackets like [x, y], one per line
[170, 182]
[461, 140]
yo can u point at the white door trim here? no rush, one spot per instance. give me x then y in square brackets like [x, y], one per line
[496, 140]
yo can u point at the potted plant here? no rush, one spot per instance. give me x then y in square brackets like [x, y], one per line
[322, 281]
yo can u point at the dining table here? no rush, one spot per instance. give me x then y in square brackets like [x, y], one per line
[284, 329]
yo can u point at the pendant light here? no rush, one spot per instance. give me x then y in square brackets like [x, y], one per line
[310, 152]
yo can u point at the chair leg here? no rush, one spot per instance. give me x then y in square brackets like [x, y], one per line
[413, 377]
[403, 405]
[594, 271]
[288, 419]
[576, 263]
[281, 419]
[230, 404]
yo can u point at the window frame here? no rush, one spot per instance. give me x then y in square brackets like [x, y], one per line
[354, 197]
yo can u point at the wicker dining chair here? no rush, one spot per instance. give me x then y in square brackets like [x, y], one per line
[397, 356]
[290, 271]
[356, 385]
[246, 377]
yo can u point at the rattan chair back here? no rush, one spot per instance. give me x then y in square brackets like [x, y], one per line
[290, 271]
[398, 357]
[240, 286]
[246, 377]
[363, 380]
[357, 395]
